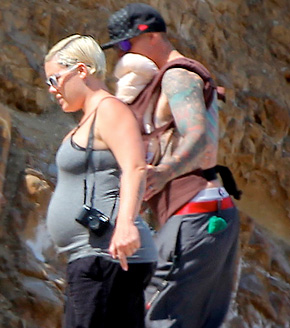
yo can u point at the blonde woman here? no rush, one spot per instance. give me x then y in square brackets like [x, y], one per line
[93, 214]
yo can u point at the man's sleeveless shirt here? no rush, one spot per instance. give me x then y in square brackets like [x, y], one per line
[180, 190]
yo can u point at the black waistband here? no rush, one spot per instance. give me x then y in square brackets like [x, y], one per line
[209, 174]
[227, 179]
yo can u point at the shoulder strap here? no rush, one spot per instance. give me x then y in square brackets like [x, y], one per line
[199, 69]
[90, 146]
[141, 103]
[196, 67]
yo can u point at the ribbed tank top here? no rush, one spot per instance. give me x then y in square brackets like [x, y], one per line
[67, 200]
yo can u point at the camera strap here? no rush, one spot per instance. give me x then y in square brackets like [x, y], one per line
[89, 150]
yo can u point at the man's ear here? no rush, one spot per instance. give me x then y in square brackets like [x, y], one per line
[154, 38]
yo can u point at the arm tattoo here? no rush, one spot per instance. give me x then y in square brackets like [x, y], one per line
[184, 92]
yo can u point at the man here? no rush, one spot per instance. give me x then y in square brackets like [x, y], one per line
[198, 222]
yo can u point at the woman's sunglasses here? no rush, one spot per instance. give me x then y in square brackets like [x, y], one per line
[52, 81]
[124, 45]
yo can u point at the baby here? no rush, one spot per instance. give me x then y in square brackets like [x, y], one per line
[133, 72]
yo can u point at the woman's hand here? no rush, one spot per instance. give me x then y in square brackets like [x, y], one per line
[125, 242]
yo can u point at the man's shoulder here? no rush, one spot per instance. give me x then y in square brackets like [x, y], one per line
[177, 79]
[180, 73]
[181, 67]
[186, 63]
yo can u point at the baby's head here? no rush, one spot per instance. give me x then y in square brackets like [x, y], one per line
[133, 73]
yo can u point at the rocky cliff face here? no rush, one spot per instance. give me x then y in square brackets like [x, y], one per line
[246, 45]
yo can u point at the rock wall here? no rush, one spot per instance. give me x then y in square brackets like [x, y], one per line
[246, 45]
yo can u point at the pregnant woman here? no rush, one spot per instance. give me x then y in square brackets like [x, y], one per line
[93, 214]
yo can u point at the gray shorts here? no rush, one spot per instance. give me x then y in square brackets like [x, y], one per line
[193, 282]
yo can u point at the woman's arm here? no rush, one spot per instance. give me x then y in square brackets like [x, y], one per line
[118, 129]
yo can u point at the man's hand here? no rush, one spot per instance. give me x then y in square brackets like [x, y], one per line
[125, 242]
[156, 180]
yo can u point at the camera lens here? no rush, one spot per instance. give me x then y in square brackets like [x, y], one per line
[94, 222]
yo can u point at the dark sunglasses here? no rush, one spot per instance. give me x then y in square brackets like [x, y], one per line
[52, 81]
[124, 45]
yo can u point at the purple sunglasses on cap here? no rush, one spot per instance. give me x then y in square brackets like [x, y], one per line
[124, 45]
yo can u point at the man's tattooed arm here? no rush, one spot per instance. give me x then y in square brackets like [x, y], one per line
[184, 92]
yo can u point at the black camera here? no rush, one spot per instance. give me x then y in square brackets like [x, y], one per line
[94, 220]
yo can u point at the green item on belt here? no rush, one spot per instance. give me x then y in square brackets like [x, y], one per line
[216, 224]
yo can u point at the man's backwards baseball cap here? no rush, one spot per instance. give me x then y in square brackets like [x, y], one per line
[133, 20]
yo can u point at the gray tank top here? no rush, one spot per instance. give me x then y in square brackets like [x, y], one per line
[67, 200]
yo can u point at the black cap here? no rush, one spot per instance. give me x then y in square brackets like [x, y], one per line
[133, 20]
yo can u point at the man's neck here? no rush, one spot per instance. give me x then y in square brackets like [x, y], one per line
[169, 56]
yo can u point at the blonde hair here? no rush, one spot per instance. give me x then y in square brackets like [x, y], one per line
[79, 49]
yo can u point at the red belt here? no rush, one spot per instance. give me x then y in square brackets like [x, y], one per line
[208, 206]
